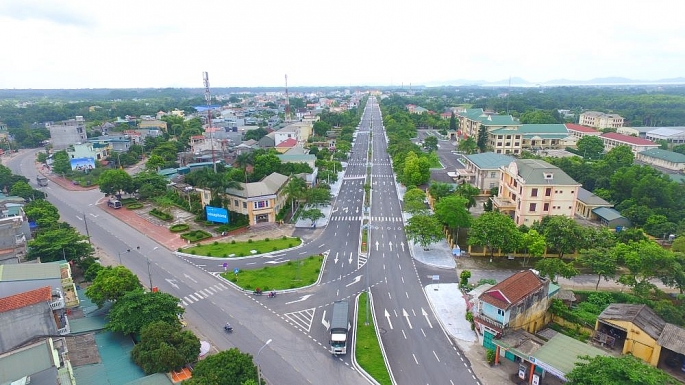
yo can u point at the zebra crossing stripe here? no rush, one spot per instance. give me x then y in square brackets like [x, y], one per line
[190, 298]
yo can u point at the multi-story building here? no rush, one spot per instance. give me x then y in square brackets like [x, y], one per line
[530, 189]
[662, 158]
[600, 120]
[287, 132]
[518, 302]
[579, 131]
[67, 133]
[671, 135]
[514, 139]
[637, 145]
[483, 170]
[470, 121]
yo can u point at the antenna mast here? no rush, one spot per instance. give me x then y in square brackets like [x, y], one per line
[208, 99]
[288, 116]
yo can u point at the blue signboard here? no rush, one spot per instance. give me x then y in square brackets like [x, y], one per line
[215, 214]
[236, 270]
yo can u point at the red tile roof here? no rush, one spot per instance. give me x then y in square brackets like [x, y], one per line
[290, 142]
[628, 139]
[512, 290]
[24, 299]
[579, 128]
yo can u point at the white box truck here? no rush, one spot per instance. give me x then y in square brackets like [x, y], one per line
[339, 328]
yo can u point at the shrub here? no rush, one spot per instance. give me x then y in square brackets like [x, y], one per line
[179, 227]
[290, 245]
[179, 249]
[215, 243]
[225, 255]
[274, 248]
[283, 237]
[490, 356]
[134, 206]
[233, 241]
[249, 240]
[209, 254]
[266, 239]
[161, 215]
[196, 235]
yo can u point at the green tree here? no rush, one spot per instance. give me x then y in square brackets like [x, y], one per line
[44, 213]
[534, 243]
[590, 147]
[469, 192]
[431, 143]
[468, 145]
[451, 211]
[416, 170]
[619, 156]
[645, 260]
[318, 196]
[321, 128]
[494, 230]
[312, 214]
[165, 347]
[414, 201]
[562, 233]
[555, 267]
[149, 184]
[255, 134]
[112, 283]
[264, 165]
[482, 141]
[136, 309]
[439, 190]
[24, 190]
[677, 246]
[296, 190]
[229, 367]
[601, 262]
[538, 117]
[115, 181]
[154, 163]
[621, 370]
[453, 123]
[424, 230]
[60, 163]
[59, 242]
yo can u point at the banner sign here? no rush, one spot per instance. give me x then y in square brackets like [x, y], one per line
[215, 214]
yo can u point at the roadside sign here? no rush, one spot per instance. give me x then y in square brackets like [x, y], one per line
[236, 270]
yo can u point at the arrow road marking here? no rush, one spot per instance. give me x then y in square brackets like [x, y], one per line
[350, 260]
[387, 315]
[335, 260]
[423, 313]
[324, 322]
[189, 277]
[406, 315]
[376, 245]
[171, 282]
[304, 297]
[356, 279]
[390, 243]
[402, 244]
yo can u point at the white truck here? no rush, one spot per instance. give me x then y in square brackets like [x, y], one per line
[41, 180]
[339, 327]
[114, 203]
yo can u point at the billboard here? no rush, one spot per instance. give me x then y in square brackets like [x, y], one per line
[82, 164]
[215, 214]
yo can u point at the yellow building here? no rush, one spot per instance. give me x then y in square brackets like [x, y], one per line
[260, 201]
[638, 330]
[530, 189]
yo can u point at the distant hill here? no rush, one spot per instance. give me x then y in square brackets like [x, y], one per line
[520, 82]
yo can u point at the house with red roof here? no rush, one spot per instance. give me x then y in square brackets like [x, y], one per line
[286, 145]
[578, 131]
[519, 302]
[637, 145]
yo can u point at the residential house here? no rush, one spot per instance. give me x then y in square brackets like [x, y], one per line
[286, 145]
[482, 170]
[518, 302]
[14, 230]
[588, 201]
[600, 120]
[112, 143]
[671, 135]
[579, 131]
[268, 140]
[153, 124]
[637, 145]
[639, 331]
[95, 151]
[19, 278]
[260, 201]
[531, 189]
[287, 132]
[45, 361]
[66, 133]
[669, 160]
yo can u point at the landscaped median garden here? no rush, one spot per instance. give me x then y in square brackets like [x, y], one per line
[241, 249]
[290, 275]
[367, 349]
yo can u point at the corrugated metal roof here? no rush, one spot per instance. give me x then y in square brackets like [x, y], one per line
[591, 199]
[640, 315]
[668, 156]
[267, 186]
[607, 213]
[489, 160]
[29, 271]
[562, 352]
[533, 171]
[673, 338]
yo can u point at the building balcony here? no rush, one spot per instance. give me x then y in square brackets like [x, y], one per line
[503, 203]
[57, 301]
[489, 322]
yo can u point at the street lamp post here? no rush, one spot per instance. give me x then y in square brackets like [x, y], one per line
[149, 273]
[121, 252]
[259, 370]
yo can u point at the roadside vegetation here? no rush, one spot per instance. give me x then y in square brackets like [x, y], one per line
[367, 349]
[290, 275]
[243, 248]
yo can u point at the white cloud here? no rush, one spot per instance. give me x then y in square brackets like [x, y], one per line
[155, 43]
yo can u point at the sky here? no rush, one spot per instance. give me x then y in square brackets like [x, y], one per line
[169, 43]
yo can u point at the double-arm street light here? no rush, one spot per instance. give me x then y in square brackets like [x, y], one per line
[149, 273]
[259, 370]
[126, 251]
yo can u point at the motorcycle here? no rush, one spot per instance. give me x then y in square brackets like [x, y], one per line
[228, 328]
[257, 292]
[272, 294]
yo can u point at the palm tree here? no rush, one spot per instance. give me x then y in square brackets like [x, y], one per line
[296, 190]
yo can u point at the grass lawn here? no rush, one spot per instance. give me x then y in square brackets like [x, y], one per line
[242, 249]
[289, 275]
[368, 351]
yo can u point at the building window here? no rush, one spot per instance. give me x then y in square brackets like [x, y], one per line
[493, 185]
[500, 312]
[516, 144]
[507, 144]
[545, 207]
[534, 192]
[508, 136]
[235, 203]
[532, 207]
[499, 136]
[261, 204]
[244, 205]
[493, 174]
[548, 191]
[517, 137]
[499, 144]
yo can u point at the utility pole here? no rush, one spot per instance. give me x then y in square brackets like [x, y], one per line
[208, 98]
[85, 222]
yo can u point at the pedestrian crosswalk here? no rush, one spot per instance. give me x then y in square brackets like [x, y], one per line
[202, 294]
[359, 218]
[363, 176]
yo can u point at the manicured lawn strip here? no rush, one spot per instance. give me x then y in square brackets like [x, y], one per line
[289, 275]
[367, 349]
[224, 249]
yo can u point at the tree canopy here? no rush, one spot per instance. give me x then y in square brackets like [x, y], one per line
[165, 347]
[622, 370]
[136, 309]
[111, 283]
[424, 230]
[229, 367]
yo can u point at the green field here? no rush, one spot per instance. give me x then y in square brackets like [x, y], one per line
[368, 350]
[243, 249]
[290, 275]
